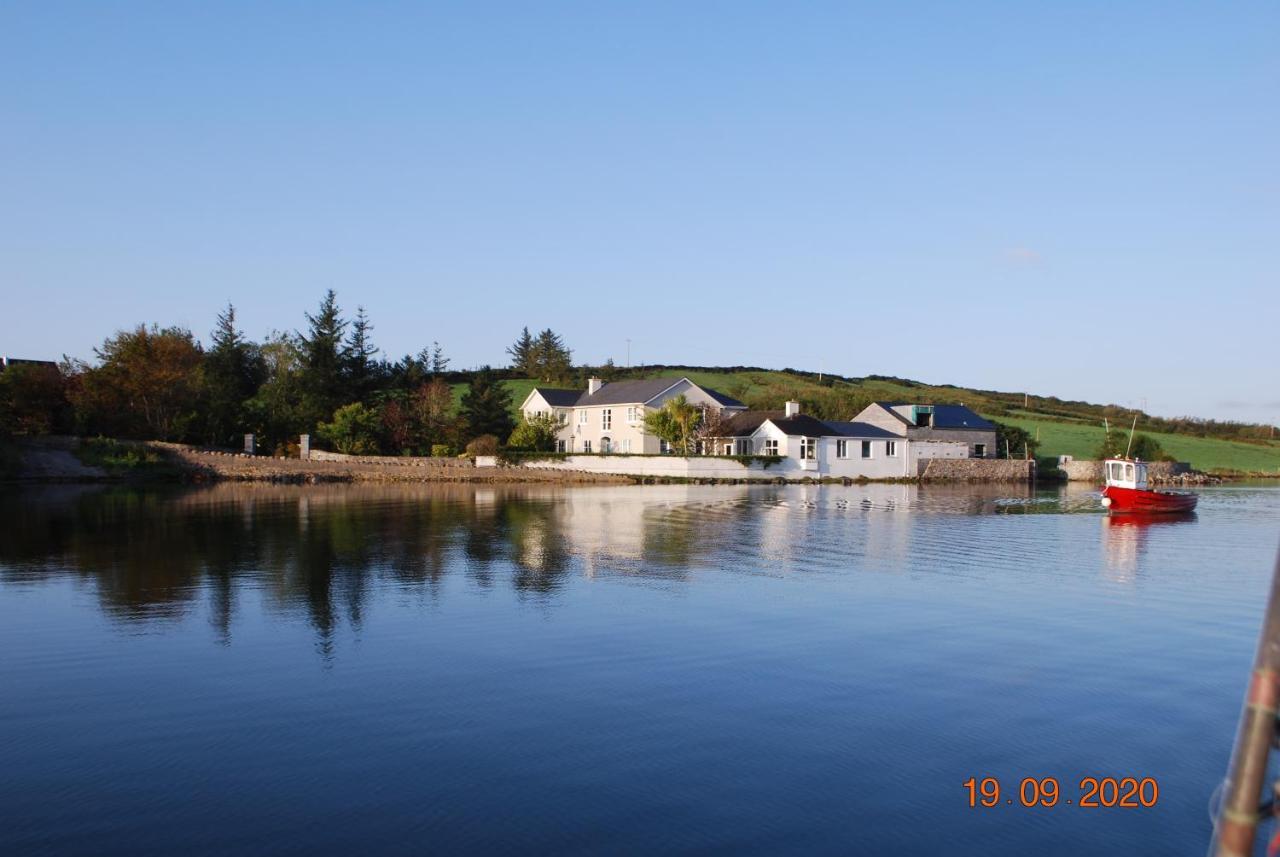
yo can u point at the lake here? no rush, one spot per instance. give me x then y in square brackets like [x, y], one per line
[662, 669]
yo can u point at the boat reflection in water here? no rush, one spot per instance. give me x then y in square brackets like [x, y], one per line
[1124, 541]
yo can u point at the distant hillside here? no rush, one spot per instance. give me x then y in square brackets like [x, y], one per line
[1062, 426]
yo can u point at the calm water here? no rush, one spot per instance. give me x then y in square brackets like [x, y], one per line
[613, 670]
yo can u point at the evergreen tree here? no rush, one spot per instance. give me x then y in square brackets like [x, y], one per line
[524, 354]
[552, 358]
[486, 407]
[362, 364]
[324, 357]
[439, 363]
[233, 370]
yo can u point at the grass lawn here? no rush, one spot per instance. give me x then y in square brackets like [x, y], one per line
[1081, 440]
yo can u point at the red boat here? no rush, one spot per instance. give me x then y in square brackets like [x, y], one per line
[1126, 491]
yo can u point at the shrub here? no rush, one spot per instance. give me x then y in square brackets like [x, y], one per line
[537, 434]
[485, 444]
[353, 431]
[441, 450]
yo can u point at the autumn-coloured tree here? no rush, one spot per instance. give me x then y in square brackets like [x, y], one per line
[147, 384]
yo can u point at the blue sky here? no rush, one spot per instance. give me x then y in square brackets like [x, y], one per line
[1080, 199]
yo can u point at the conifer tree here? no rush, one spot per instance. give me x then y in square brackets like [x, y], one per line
[233, 370]
[324, 356]
[524, 354]
[486, 406]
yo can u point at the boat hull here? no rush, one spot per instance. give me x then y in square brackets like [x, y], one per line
[1136, 500]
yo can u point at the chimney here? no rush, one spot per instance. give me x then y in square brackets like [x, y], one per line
[793, 408]
[593, 386]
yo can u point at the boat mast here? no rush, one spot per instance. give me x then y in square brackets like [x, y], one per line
[1129, 445]
[1242, 807]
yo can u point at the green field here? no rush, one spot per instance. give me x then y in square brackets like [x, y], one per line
[1082, 440]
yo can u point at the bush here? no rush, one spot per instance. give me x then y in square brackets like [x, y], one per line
[441, 450]
[536, 434]
[485, 444]
[1144, 447]
[354, 430]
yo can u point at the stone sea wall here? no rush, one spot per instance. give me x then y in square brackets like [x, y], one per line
[977, 470]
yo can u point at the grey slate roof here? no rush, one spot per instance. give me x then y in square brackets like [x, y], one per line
[945, 416]
[624, 393]
[804, 425]
[959, 417]
[746, 422]
[559, 398]
[627, 392]
[848, 429]
[727, 401]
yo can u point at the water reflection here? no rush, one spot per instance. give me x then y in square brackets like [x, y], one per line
[1124, 541]
[154, 556]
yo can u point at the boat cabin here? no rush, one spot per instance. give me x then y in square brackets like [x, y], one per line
[1122, 473]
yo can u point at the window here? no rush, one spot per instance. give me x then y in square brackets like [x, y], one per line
[771, 446]
[866, 449]
[842, 449]
[633, 414]
[559, 446]
[586, 446]
[664, 447]
[582, 417]
[808, 447]
[979, 450]
[561, 415]
[1128, 472]
[728, 448]
[891, 448]
[606, 419]
[606, 445]
[626, 444]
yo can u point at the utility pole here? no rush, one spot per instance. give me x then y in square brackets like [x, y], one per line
[628, 352]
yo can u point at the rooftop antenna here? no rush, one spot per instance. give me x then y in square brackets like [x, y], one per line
[628, 352]
[1131, 431]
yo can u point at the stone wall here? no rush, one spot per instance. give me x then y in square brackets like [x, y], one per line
[1091, 471]
[391, 460]
[978, 470]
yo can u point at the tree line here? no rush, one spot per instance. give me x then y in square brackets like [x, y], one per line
[327, 379]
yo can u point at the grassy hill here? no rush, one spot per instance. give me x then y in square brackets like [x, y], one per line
[1063, 427]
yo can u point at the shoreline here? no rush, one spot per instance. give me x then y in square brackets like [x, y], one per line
[53, 460]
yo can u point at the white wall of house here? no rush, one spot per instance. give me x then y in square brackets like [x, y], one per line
[840, 457]
[871, 458]
[623, 425]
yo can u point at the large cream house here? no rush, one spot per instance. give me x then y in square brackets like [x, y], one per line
[609, 417]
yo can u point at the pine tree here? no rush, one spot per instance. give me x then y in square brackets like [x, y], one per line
[233, 370]
[524, 354]
[439, 363]
[324, 357]
[552, 359]
[362, 364]
[486, 406]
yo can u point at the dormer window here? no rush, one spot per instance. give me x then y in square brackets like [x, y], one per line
[923, 416]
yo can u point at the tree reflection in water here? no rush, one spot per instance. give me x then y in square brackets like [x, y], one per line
[154, 556]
